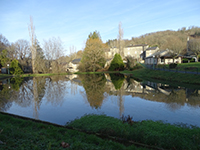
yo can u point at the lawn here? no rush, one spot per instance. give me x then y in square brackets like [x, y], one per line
[3, 76]
[18, 134]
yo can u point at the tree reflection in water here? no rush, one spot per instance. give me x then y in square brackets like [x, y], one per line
[94, 85]
[55, 90]
[5, 94]
[27, 91]
[9, 91]
[119, 84]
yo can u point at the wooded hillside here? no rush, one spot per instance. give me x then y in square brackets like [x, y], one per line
[163, 39]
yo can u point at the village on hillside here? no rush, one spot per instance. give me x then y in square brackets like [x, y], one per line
[143, 53]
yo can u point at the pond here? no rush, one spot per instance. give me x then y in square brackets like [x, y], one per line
[60, 99]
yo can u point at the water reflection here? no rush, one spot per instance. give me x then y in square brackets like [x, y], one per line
[95, 89]
[94, 85]
[174, 97]
[55, 89]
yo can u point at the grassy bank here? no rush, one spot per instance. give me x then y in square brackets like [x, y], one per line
[97, 72]
[39, 75]
[96, 132]
[155, 135]
[147, 74]
[4, 76]
[20, 134]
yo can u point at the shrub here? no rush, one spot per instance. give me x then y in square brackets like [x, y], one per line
[192, 60]
[172, 65]
[15, 67]
[184, 60]
[137, 66]
[117, 63]
[81, 67]
[160, 65]
[131, 63]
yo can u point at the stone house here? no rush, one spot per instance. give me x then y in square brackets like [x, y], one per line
[131, 50]
[148, 52]
[135, 50]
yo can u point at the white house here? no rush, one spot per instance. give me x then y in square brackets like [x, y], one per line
[73, 65]
[162, 57]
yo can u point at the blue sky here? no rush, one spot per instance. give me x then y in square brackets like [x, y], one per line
[73, 21]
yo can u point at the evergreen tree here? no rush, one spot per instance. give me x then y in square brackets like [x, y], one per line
[94, 35]
[117, 63]
[15, 67]
[3, 58]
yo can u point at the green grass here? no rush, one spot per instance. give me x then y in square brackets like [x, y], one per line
[157, 135]
[3, 76]
[96, 132]
[18, 134]
[97, 72]
[147, 74]
[39, 75]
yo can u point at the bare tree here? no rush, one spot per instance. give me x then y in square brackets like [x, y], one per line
[12, 51]
[22, 52]
[32, 35]
[120, 40]
[73, 53]
[194, 46]
[176, 45]
[53, 50]
[4, 43]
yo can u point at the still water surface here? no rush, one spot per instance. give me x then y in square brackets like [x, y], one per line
[59, 99]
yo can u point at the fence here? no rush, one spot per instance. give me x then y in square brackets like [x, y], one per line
[190, 70]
